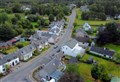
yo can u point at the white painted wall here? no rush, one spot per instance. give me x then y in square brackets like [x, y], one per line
[73, 52]
[1, 69]
[15, 61]
[101, 54]
[28, 55]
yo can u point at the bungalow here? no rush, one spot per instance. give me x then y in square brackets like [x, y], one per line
[72, 48]
[50, 70]
[104, 52]
[10, 59]
[26, 52]
[87, 27]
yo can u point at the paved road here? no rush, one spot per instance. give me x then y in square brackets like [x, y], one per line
[22, 74]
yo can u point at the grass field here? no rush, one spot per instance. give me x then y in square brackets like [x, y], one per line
[34, 23]
[113, 47]
[113, 68]
[84, 69]
[11, 50]
[91, 22]
[25, 43]
[79, 22]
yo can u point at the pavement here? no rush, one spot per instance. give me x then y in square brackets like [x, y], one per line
[23, 72]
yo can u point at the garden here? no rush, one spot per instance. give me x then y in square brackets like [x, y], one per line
[84, 69]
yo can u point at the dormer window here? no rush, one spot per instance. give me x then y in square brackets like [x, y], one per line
[8, 60]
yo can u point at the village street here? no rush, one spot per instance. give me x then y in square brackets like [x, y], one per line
[23, 73]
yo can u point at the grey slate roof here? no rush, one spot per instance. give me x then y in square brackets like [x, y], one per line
[51, 67]
[25, 50]
[83, 39]
[40, 35]
[3, 44]
[8, 58]
[102, 51]
[71, 43]
[54, 30]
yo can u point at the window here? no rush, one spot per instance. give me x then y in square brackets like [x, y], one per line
[4, 69]
[16, 61]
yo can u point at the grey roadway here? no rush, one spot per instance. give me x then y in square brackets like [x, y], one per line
[22, 74]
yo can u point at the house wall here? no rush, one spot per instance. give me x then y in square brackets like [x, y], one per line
[1, 69]
[28, 55]
[101, 54]
[73, 52]
[68, 51]
[40, 47]
[12, 63]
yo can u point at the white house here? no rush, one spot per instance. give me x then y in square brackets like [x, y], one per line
[72, 48]
[86, 27]
[56, 27]
[26, 52]
[104, 52]
[10, 59]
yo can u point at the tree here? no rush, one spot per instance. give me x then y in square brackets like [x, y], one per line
[25, 24]
[6, 32]
[71, 77]
[99, 72]
[14, 20]
[60, 16]
[7, 68]
[3, 18]
[16, 8]
[51, 17]
[117, 57]
[85, 16]
[34, 9]
[19, 45]
[32, 18]
[46, 22]
[28, 33]
[18, 16]
[109, 35]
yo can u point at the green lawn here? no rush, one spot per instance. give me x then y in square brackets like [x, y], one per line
[11, 50]
[84, 69]
[113, 47]
[34, 23]
[91, 22]
[25, 43]
[113, 68]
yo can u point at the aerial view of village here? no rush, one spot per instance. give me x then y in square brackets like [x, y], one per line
[59, 40]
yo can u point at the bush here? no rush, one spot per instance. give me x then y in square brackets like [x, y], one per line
[36, 52]
[1, 75]
[19, 45]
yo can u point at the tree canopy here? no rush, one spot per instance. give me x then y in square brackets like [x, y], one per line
[99, 72]
[6, 32]
[110, 34]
